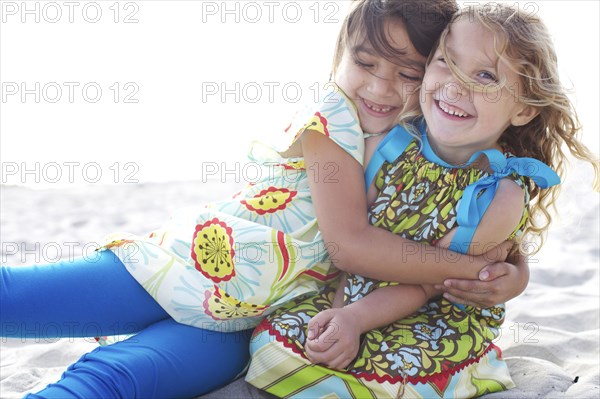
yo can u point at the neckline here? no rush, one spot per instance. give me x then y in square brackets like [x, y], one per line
[496, 159]
[367, 135]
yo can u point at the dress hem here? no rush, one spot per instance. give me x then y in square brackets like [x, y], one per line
[386, 378]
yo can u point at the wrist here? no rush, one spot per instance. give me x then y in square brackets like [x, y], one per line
[353, 315]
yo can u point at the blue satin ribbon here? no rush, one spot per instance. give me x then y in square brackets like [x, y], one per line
[478, 196]
[389, 149]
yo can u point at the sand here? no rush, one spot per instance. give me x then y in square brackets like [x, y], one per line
[550, 339]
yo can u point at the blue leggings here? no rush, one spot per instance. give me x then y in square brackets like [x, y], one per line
[99, 297]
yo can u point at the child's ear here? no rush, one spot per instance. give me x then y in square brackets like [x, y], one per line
[524, 116]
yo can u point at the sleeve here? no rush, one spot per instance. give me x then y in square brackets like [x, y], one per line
[334, 116]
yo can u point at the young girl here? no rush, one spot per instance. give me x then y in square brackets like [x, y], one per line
[469, 177]
[220, 268]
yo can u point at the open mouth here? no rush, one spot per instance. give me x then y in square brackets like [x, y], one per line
[451, 110]
[378, 109]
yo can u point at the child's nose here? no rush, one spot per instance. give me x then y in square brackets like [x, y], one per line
[380, 86]
[453, 90]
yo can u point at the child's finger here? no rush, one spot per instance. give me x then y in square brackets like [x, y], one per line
[324, 340]
[340, 362]
[317, 324]
[318, 357]
[493, 271]
[314, 332]
[465, 286]
[457, 300]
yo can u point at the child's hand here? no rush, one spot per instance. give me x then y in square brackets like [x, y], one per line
[333, 338]
[498, 283]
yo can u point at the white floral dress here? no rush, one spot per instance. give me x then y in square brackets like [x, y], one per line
[225, 265]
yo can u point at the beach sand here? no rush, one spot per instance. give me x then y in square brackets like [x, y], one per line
[550, 338]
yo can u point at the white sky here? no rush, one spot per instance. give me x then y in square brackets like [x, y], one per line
[171, 61]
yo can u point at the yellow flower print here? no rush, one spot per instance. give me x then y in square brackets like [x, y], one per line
[318, 123]
[497, 311]
[115, 244]
[212, 250]
[270, 200]
[294, 165]
[219, 305]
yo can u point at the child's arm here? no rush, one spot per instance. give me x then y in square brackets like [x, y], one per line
[356, 246]
[498, 283]
[499, 221]
[334, 334]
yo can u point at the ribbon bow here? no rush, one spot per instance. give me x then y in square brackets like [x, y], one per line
[478, 195]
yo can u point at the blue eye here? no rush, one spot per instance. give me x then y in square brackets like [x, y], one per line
[487, 76]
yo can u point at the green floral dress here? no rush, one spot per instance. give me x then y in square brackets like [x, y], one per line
[440, 351]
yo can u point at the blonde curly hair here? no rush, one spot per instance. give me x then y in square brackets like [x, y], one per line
[523, 42]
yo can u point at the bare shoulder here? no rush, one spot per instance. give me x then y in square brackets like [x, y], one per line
[371, 144]
[509, 195]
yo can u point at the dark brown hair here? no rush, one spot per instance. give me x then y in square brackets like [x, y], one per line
[424, 22]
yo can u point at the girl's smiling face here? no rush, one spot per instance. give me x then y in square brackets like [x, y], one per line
[379, 88]
[460, 119]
